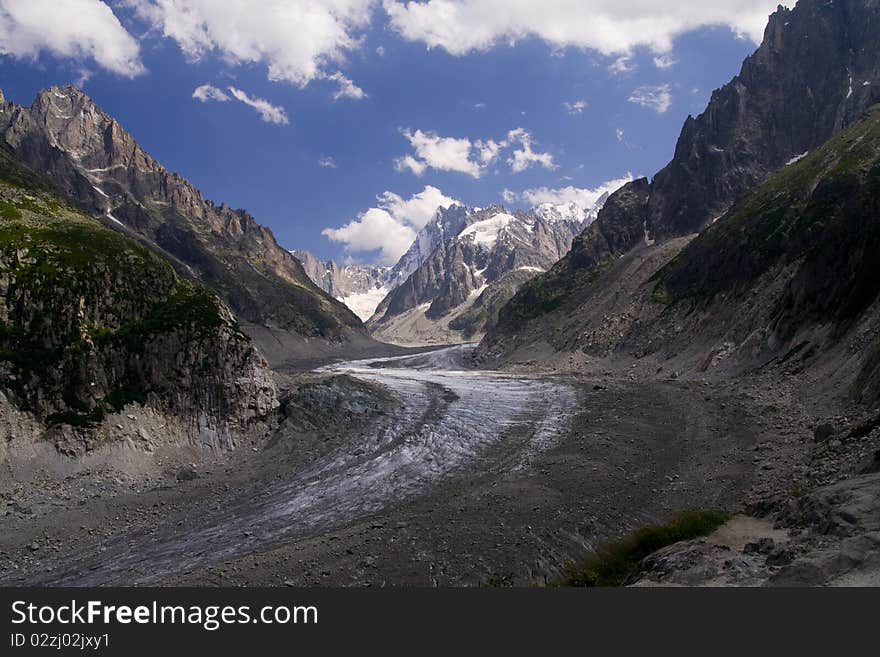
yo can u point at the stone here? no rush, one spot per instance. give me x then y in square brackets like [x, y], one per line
[823, 433]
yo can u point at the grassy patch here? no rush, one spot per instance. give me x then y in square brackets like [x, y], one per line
[615, 562]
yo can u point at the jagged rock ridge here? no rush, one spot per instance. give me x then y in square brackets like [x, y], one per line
[817, 69]
[91, 158]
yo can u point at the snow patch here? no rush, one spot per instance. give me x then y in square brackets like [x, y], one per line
[476, 293]
[364, 304]
[485, 233]
[534, 269]
[566, 212]
[112, 218]
[115, 166]
[797, 158]
[100, 191]
[648, 240]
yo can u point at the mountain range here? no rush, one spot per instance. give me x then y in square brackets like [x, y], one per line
[458, 272]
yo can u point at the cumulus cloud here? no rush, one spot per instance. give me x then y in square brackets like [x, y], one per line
[583, 197]
[374, 230]
[525, 157]
[575, 107]
[391, 227]
[297, 40]
[436, 152]
[81, 30]
[462, 155]
[612, 28]
[326, 162]
[657, 98]
[208, 92]
[419, 209]
[268, 112]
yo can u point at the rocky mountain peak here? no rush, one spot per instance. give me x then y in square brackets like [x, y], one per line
[815, 73]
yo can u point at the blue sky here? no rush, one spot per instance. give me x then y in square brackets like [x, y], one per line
[346, 108]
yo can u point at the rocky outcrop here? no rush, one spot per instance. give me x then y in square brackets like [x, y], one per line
[817, 70]
[94, 325]
[91, 158]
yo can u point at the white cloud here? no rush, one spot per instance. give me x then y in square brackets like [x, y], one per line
[575, 107]
[347, 88]
[584, 197]
[665, 61]
[208, 92]
[298, 40]
[409, 162]
[374, 230]
[657, 98]
[419, 209]
[268, 112]
[608, 26]
[436, 152]
[488, 150]
[623, 64]
[326, 162]
[462, 155]
[621, 134]
[525, 157]
[391, 227]
[72, 29]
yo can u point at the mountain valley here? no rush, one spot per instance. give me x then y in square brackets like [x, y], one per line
[186, 402]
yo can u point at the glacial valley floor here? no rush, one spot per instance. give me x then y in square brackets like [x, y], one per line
[378, 502]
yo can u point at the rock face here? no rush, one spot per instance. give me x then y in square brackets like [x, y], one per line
[446, 224]
[360, 287]
[485, 256]
[790, 272]
[92, 325]
[90, 157]
[817, 70]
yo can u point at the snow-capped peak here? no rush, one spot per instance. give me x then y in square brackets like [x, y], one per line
[485, 233]
[570, 212]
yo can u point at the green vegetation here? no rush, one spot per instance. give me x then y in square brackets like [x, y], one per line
[821, 209]
[616, 562]
[82, 298]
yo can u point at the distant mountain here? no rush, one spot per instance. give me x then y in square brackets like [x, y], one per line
[360, 287]
[90, 157]
[480, 257]
[815, 73]
[446, 223]
[363, 287]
